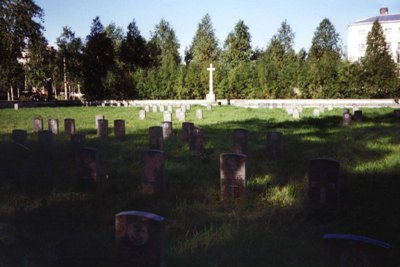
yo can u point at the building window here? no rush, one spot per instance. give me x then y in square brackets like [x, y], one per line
[361, 47]
[388, 31]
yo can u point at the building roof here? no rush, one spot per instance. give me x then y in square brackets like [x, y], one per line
[383, 18]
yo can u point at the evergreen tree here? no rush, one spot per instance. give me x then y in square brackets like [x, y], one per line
[380, 78]
[205, 44]
[97, 60]
[326, 41]
[237, 45]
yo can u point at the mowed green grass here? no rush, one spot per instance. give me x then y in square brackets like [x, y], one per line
[46, 220]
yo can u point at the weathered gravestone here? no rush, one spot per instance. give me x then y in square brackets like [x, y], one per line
[142, 114]
[209, 107]
[316, 112]
[19, 136]
[87, 162]
[53, 126]
[153, 180]
[119, 129]
[169, 108]
[99, 117]
[274, 144]
[69, 126]
[16, 106]
[358, 116]
[187, 128]
[154, 108]
[196, 143]
[396, 113]
[167, 129]
[156, 138]
[296, 113]
[37, 124]
[45, 139]
[199, 114]
[140, 239]
[321, 109]
[78, 140]
[180, 114]
[346, 250]
[167, 116]
[162, 108]
[233, 176]
[240, 141]
[346, 119]
[102, 130]
[188, 107]
[323, 181]
[147, 108]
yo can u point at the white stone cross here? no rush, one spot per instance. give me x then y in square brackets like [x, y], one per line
[210, 95]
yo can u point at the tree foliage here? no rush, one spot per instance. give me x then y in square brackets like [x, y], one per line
[205, 45]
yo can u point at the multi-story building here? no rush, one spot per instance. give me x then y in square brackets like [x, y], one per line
[358, 31]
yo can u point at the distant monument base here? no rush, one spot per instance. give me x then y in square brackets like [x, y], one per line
[211, 98]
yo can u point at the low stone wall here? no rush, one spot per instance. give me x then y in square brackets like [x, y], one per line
[32, 104]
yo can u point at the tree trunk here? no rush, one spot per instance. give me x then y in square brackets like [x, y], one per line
[65, 80]
[12, 93]
[18, 92]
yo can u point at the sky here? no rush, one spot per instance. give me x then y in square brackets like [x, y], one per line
[263, 17]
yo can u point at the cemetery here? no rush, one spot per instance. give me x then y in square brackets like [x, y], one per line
[156, 184]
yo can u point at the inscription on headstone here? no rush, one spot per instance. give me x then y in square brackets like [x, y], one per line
[140, 239]
[69, 126]
[323, 181]
[240, 141]
[233, 175]
[153, 171]
[119, 129]
[37, 124]
[156, 138]
[274, 144]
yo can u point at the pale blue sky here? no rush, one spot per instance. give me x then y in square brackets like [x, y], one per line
[263, 17]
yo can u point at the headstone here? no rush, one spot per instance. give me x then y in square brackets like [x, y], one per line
[274, 144]
[321, 109]
[147, 108]
[167, 129]
[346, 111]
[162, 108]
[37, 124]
[154, 108]
[181, 116]
[274, 105]
[119, 129]
[187, 128]
[396, 113]
[87, 162]
[153, 171]
[330, 107]
[167, 116]
[140, 239]
[209, 107]
[102, 130]
[142, 114]
[45, 139]
[349, 250]
[16, 106]
[199, 114]
[240, 141]
[169, 108]
[358, 115]
[78, 140]
[316, 112]
[156, 138]
[346, 119]
[296, 113]
[196, 141]
[19, 136]
[188, 107]
[99, 117]
[323, 181]
[69, 126]
[103, 104]
[233, 175]
[53, 126]
[183, 108]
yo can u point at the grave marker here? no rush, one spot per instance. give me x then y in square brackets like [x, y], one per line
[154, 108]
[140, 239]
[233, 176]
[156, 138]
[37, 124]
[167, 129]
[153, 180]
[240, 141]
[87, 162]
[119, 129]
[323, 181]
[16, 106]
[142, 114]
[274, 144]
[53, 126]
[99, 117]
[147, 108]
[346, 119]
[358, 116]
[69, 126]
[196, 141]
[296, 113]
[187, 128]
[167, 116]
[199, 114]
[396, 113]
[102, 130]
[316, 112]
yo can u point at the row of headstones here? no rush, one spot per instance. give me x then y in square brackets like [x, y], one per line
[179, 114]
[140, 239]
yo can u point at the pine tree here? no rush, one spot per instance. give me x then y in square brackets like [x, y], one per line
[237, 45]
[380, 78]
[205, 44]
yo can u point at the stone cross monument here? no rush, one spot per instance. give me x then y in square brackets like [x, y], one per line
[211, 95]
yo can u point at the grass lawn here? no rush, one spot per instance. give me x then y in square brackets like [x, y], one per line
[46, 220]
